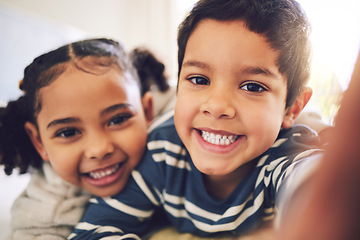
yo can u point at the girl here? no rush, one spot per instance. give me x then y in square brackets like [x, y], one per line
[82, 111]
[153, 77]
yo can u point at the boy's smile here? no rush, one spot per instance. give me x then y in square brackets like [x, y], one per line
[218, 141]
[231, 97]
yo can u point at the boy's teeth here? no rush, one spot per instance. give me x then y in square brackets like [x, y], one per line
[104, 172]
[218, 139]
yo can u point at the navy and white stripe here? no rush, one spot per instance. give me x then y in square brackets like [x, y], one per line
[168, 179]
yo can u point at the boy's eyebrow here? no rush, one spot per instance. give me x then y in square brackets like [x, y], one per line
[259, 70]
[247, 69]
[193, 63]
[108, 110]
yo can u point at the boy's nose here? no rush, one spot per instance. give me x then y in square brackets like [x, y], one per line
[99, 147]
[219, 105]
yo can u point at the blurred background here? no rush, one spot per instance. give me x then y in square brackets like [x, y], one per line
[30, 28]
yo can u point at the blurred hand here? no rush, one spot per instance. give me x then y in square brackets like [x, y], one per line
[332, 211]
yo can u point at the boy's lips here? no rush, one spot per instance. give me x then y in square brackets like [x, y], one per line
[219, 139]
[220, 142]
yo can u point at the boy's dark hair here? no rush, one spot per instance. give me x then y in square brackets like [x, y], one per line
[282, 22]
[150, 70]
[94, 56]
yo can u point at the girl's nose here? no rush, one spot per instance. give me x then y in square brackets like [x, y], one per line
[99, 146]
[219, 105]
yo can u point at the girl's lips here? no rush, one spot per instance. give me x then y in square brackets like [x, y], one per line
[104, 172]
[105, 176]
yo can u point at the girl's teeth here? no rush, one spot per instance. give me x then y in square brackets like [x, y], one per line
[218, 139]
[105, 172]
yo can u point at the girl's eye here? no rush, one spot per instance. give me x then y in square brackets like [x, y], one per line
[119, 119]
[199, 80]
[253, 87]
[67, 133]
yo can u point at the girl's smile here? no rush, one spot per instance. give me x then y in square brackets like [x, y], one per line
[105, 176]
[94, 132]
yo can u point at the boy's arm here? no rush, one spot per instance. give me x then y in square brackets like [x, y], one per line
[126, 215]
[332, 211]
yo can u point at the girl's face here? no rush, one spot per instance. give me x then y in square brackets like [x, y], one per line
[92, 129]
[231, 97]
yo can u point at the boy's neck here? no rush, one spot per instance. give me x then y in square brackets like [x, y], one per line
[222, 186]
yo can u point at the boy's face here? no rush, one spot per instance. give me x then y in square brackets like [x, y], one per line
[231, 97]
[92, 129]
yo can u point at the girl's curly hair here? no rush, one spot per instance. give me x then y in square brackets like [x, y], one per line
[151, 71]
[94, 56]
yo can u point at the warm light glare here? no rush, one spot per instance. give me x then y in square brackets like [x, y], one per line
[335, 34]
[335, 38]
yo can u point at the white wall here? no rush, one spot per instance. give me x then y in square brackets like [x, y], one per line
[29, 28]
[133, 22]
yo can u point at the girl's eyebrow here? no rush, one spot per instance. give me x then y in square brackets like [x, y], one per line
[62, 121]
[108, 110]
[115, 107]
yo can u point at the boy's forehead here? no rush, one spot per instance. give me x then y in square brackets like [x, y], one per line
[211, 29]
[233, 43]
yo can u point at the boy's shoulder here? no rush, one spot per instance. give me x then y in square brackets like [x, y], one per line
[163, 127]
[293, 141]
[297, 130]
[300, 133]
[165, 120]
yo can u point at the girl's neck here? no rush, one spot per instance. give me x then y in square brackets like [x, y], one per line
[222, 186]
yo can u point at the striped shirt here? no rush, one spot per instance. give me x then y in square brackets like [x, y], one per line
[167, 179]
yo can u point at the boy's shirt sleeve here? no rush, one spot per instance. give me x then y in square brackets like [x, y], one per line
[298, 174]
[299, 169]
[286, 165]
[128, 213]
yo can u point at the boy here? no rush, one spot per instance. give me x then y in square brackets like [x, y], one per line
[218, 164]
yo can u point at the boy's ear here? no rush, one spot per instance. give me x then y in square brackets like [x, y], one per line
[294, 111]
[147, 103]
[34, 135]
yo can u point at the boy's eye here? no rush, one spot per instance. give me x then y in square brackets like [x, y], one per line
[119, 119]
[67, 132]
[199, 80]
[253, 87]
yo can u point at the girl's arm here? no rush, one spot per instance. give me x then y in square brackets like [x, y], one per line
[49, 208]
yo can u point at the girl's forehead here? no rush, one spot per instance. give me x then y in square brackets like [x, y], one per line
[74, 82]
[97, 65]
[76, 90]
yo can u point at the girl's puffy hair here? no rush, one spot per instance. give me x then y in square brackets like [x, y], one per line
[94, 56]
